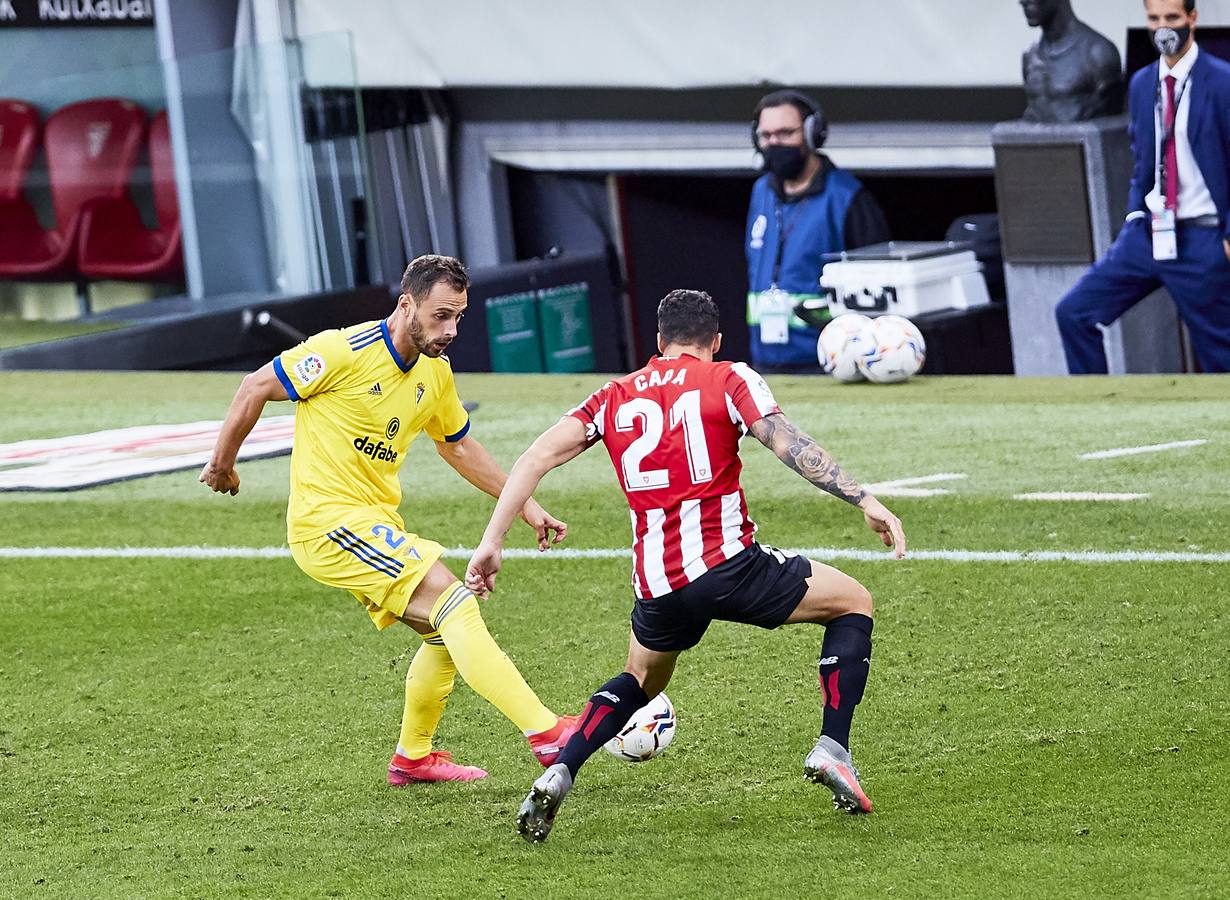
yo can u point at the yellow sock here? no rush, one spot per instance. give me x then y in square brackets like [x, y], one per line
[429, 681]
[483, 664]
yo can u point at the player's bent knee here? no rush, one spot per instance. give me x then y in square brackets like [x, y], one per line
[830, 593]
[426, 593]
[861, 602]
[854, 598]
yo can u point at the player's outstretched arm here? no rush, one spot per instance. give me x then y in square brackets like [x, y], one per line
[254, 392]
[801, 453]
[561, 442]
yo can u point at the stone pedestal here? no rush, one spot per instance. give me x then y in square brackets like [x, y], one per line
[1062, 192]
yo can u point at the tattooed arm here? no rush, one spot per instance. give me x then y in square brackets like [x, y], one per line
[801, 453]
[805, 456]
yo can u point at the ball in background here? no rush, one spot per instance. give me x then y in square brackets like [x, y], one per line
[648, 732]
[897, 352]
[842, 342]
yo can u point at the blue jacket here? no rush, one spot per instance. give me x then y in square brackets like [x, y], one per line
[814, 225]
[1208, 131]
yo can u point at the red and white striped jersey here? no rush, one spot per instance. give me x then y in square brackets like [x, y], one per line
[672, 430]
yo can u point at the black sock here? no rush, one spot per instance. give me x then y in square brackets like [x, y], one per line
[845, 657]
[607, 711]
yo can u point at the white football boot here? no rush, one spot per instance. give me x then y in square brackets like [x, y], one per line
[830, 764]
[537, 813]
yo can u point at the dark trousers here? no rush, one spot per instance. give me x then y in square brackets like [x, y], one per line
[1199, 282]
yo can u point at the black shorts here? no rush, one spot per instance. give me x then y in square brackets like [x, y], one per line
[760, 586]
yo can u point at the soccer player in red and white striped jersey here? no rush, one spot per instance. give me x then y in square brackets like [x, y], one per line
[672, 430]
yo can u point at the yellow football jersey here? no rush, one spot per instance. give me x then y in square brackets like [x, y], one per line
[359, 407]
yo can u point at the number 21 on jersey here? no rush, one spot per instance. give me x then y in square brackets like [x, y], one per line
[684, 412]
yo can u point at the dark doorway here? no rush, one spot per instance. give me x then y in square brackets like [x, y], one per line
[688, 231]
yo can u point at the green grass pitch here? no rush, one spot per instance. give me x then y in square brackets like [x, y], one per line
[220, 727]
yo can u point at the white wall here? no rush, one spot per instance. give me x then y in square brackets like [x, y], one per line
[695, 43]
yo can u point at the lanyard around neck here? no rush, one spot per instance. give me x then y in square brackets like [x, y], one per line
[783, 232]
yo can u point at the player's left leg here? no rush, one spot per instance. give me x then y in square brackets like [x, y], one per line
[441, 603]
[768, 588]
[429, 681]
[844, 607]
[609, 708]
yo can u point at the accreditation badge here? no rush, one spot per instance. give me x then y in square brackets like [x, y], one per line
[776, 307]
[1165, 243]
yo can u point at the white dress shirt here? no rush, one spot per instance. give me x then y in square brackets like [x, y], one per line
[1194, 198]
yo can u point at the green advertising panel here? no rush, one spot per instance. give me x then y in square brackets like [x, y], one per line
[512, 333]
[567, 337]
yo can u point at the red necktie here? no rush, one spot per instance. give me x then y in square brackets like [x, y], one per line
[1171, 155]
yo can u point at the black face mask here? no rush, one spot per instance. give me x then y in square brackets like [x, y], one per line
[783, 161]
[1168, 41]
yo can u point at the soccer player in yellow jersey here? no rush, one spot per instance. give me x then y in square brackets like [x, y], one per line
[362, 396]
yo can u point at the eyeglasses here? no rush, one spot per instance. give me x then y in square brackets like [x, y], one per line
[781, 134]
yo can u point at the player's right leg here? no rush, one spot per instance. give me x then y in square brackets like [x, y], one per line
[382, 565]
[661, 630]
[844, 607]
[442, 604]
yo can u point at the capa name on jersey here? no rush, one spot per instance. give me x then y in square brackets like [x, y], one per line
[376, 450]
[656, 379]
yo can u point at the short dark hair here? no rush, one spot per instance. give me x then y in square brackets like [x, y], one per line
[427, 271]
[785, 97]
[1189, 6]
[687, 317]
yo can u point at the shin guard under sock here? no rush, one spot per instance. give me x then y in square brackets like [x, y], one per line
[845, 658]
[607, 711]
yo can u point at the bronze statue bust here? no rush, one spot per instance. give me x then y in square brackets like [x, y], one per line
[1072, 73]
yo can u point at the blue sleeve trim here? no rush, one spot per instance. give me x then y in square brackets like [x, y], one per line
[282, 377]
[453, 438]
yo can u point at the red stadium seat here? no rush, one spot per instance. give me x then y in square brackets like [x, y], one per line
[115, 244]
[18, 143]
[91, 149]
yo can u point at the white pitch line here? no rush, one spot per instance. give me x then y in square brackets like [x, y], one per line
[1133, 451]
[907, 487]
[817, 553]
[905, 491]
[921, 479]
[1069, 496]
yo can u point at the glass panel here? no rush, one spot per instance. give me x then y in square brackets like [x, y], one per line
[266, 172]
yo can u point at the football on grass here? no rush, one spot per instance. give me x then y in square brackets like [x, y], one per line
[842, 343]
[648, 732]
[897, 351]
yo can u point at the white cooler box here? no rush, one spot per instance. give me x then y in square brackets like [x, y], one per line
[905, 278]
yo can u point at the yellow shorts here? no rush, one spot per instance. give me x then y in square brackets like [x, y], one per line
[373, 559]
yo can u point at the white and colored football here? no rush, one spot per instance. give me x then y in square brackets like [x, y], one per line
[842, 343]
[648, 732]
[897, 351]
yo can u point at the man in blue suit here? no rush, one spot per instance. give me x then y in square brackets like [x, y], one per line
[1177, 232]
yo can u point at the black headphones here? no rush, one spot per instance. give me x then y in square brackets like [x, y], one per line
[815, 125]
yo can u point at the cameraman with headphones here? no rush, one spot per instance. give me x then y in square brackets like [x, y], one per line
[802, 207]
